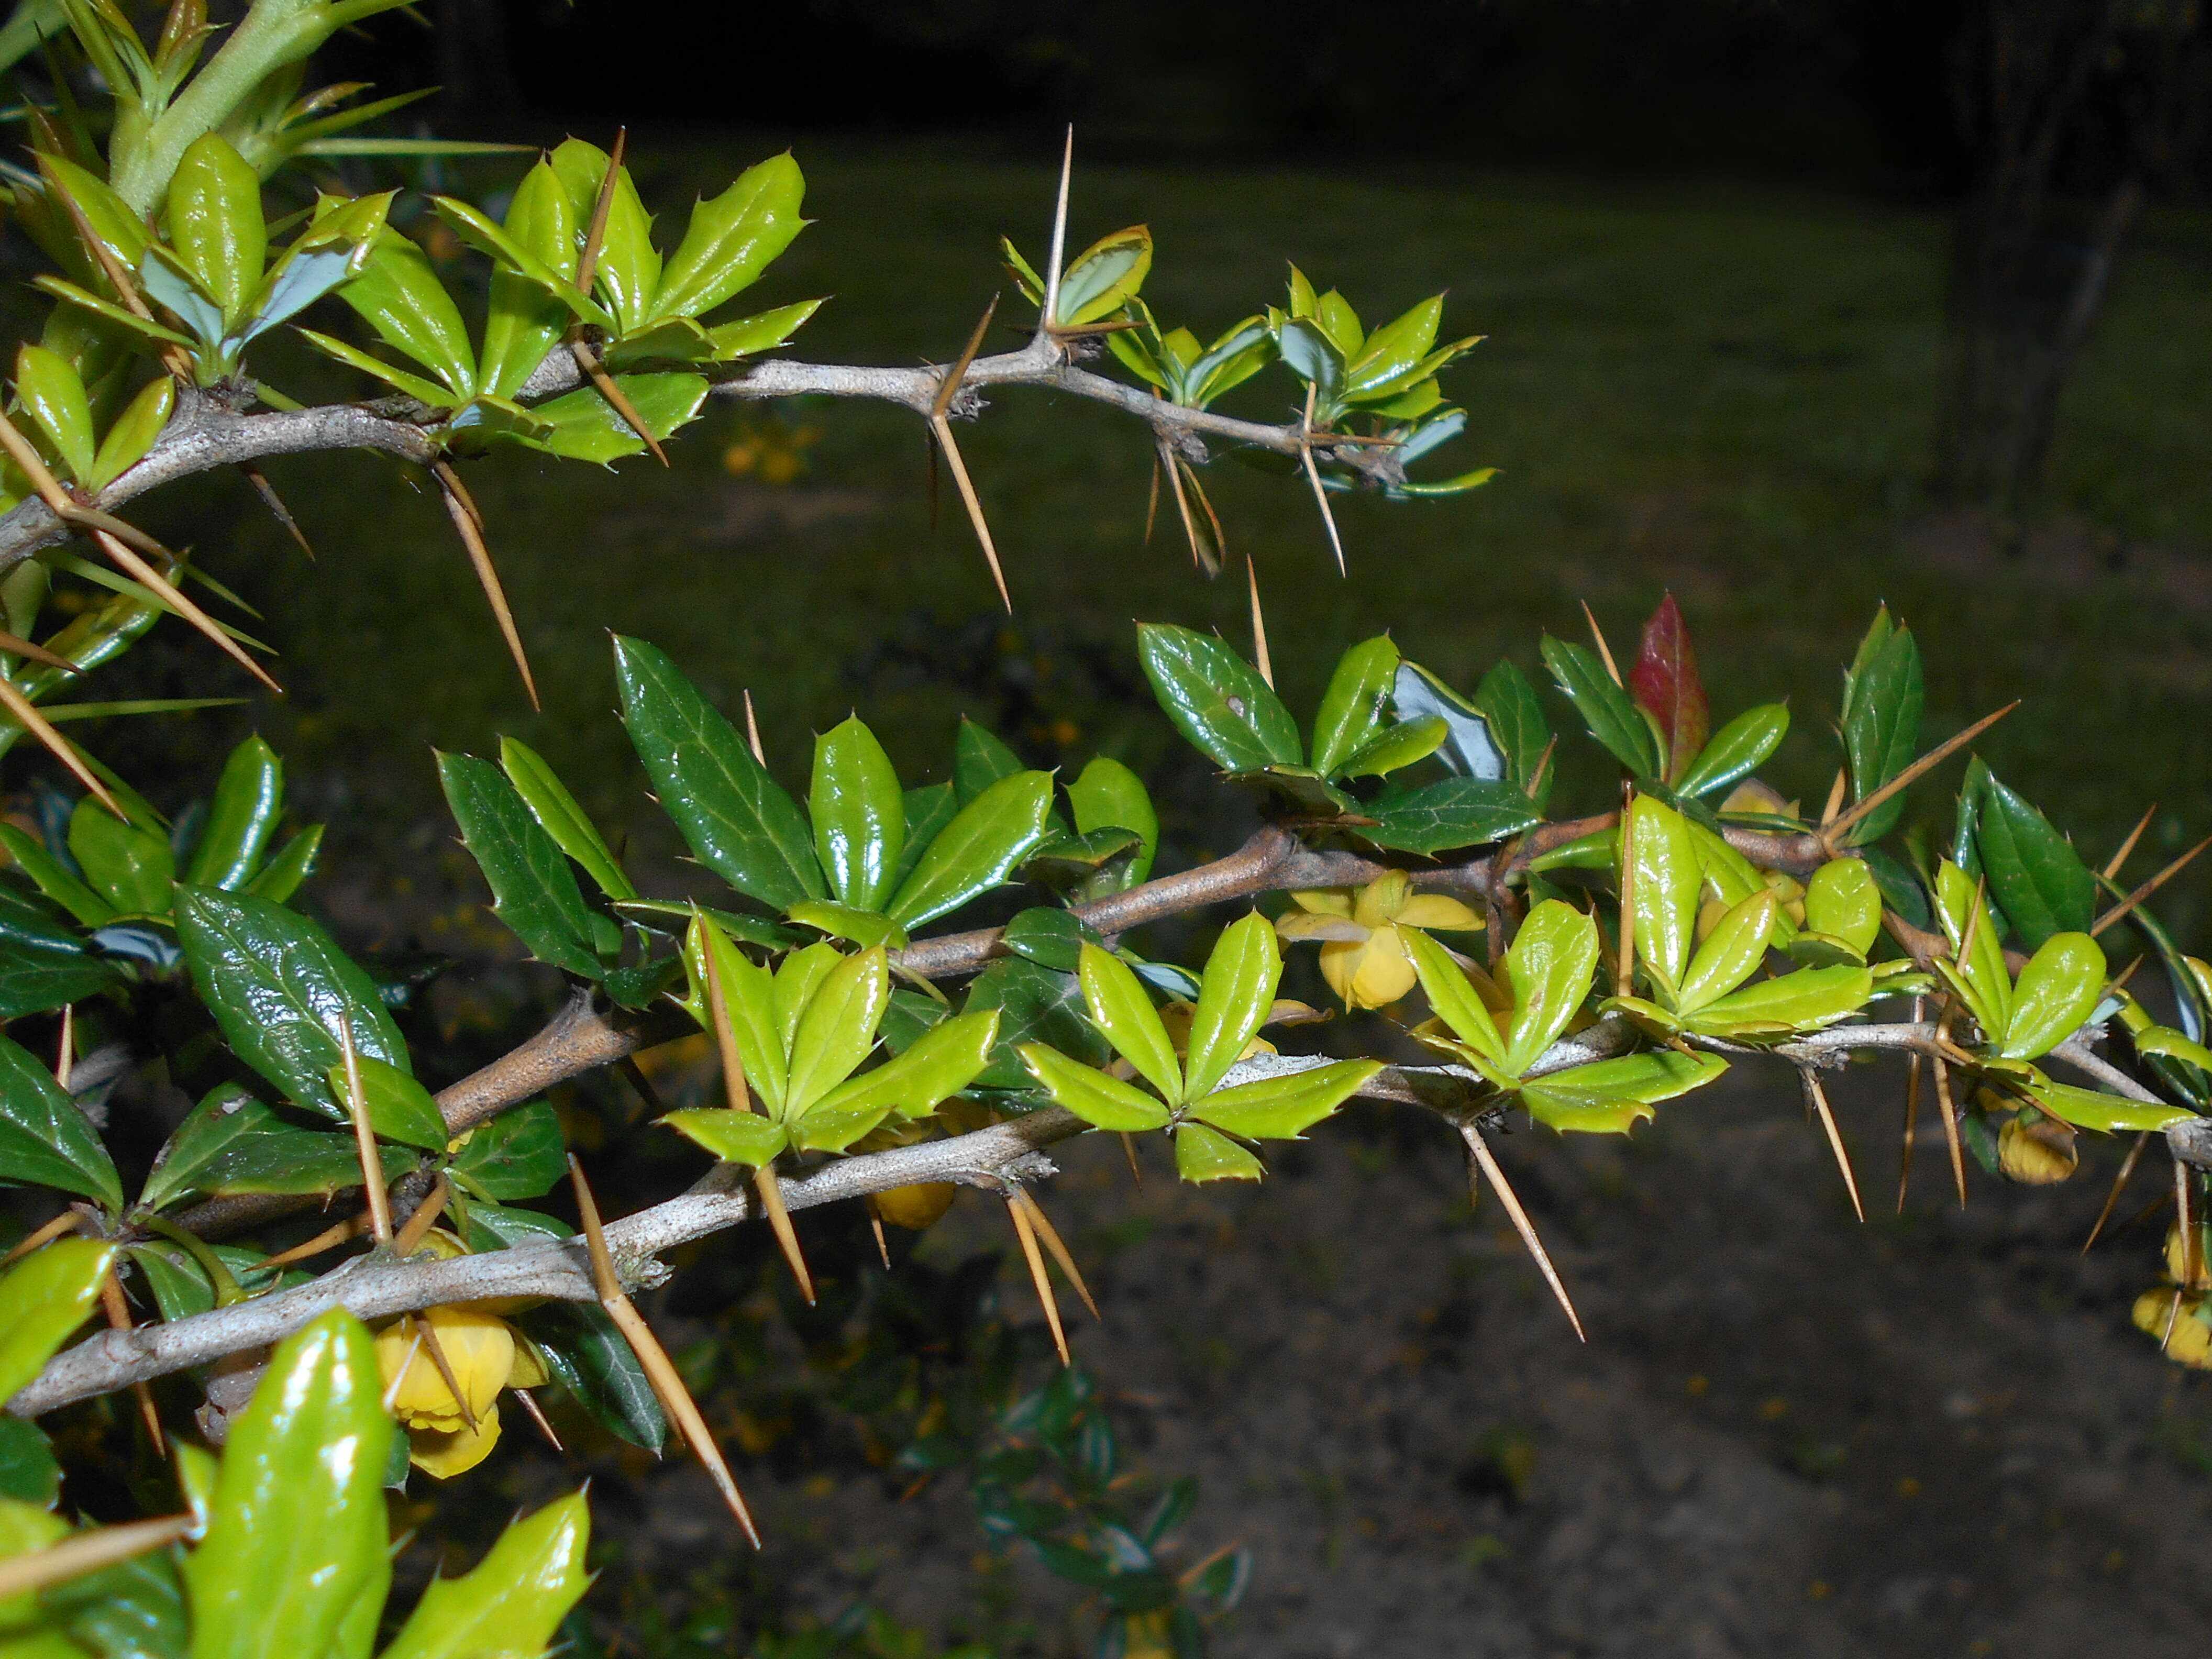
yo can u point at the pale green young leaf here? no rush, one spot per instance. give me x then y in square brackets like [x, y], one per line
[837, 1029]
[860, 814]
[1805, 1000]
[1453, 996]
[1234, 995]
[1983, 971]
[1101, 1101]
[938, 1065]
[845, 921]
[400, 1108]
[732, 238]
[515, 1598]
[558, 814]
[1396, 747]
[1730, 953]
[1108, 795]
[216, 223]
[398, 296]
[1121, 1008]
[587, 428]
[749, 995]
[43, 1298]
[54, 397]
[1548, 971]
[1104, 276]
[1284, 1107]
[1666, 878]
[1203, 1154]
[2091, 1109]
[132, 868]
[1843, 901]
[733, 1136]
[1737, 749]
[743, 336]
[1611, 1097]
[2056, 991]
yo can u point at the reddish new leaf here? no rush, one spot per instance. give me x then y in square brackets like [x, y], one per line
[1665, 682]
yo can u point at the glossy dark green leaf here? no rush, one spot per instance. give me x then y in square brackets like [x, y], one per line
[1087, 864]
[738, 821]
[859, 815]
[282, 991]
[1737, 749]
[1883, 694]
[1217, 700]
[1053, 938]
[1356, 704]
[33, 980]
[534, 890]
[1034, 1004]
[594, 1362]
[132, 1610]
[1452, 812]
[295, 862]
[1469, 747]
[28, 1471]
[44, 1140]
[1300, 788]
[248, 800]
[2037, 878]
[928, 810]
[232, 1143]
[131, 868]
[55, 879]
[1517, 724]
[43, 1299]
[979, 759]
[976, 851]
[296, 1533]
[1107, 794]
[1613, 720]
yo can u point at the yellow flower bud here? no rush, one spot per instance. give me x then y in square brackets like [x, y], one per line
[2191, 1342]
[443, 1456]
[2201, 1277]
[916, 1208]
[2037, 1154]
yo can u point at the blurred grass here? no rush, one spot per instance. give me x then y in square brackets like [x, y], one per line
[1722, 390]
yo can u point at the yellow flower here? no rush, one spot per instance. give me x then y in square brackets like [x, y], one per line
[481, 1350]
[1363, 958]
[2200, 1280]
[917, 1208]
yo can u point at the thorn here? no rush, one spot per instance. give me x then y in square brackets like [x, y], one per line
[1817, 1097]
[943, 427]
[787, 1236]
[88, 1552]
[67, 1222]
[1604, 650]
[1208, 562]
[634, 1074]
[948, 384]
[587, 262]
[538, 1416]
[1259, 625]
[436, 1350]
[487, 576]
[1053, 1242]
[741, 1100]
[1058, 235]
[364, 1138]
[2113, 1198]
[1935, 756]
[2191, 1263]
[2172, 1318]
[129, 558]
[596, 371]
[407, 1359]
[1835, 798]
[1911, 1117]
[659, 1371]
[1129, 1151]
[2127, 847]
[37, 653]
[1543, 765]
[2147, 889]
[752, 730]
[1151, 503]
[876, 1225]
[1480, 1152]
[173, 359]
[329, 1239]
[275, 504]
[929, 442]
[425, 1217]
[1321, 495]
[65, 1052]
[119, 1319]
[1950, 1111]
[1037, 1276]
